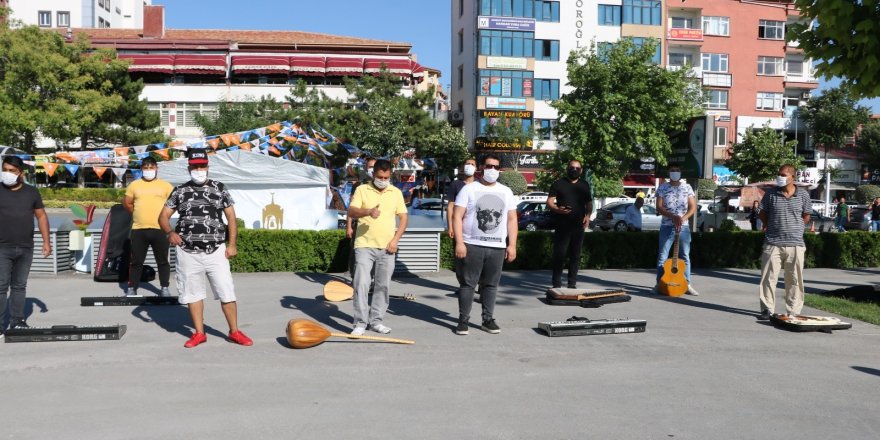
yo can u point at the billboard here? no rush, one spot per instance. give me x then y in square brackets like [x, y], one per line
[506, 23]
[506, 103]
[507, 63]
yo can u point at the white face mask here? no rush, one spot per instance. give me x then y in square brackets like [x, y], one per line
[149, 174]
[9, 179]
[370, 173]
[781, 181]
[675, 176]
[199, 176]
[469, 170]
[490, 175]
[381, 184]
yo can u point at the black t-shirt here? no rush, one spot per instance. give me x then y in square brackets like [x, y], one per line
[17, 216]
[453, 189]
[201, 208]
[573, 195]
[875, 212]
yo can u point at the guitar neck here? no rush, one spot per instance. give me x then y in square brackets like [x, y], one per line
[675, 248]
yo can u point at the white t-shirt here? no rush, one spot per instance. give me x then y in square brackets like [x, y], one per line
[675, 199]
[485, 221]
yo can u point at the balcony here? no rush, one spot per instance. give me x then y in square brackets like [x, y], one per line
[717, 79]
[800, 81]
[695, 71]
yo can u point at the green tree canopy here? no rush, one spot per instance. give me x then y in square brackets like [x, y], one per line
[761, 153]
[866, 194]
[868, 144]
[448, 146]
[513, 134]
[513, 180]
[622, 106]
[833, 116]
[842, 36]
[246, 114]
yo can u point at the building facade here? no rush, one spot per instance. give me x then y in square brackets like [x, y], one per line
[124, 14]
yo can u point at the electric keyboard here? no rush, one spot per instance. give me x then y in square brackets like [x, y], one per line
[66, 333]
[99, 301]
[593, 327]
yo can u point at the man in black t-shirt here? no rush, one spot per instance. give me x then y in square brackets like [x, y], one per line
[468, 169]
[571, 203]
[19, 204]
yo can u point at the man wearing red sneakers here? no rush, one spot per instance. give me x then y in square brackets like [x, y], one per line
[201, 238]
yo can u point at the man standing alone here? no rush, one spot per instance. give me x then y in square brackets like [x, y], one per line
[144, 198]
[571, 203]
[842, 214]
[19, 204]
[784, 210]
[676, 202]
[469, 168]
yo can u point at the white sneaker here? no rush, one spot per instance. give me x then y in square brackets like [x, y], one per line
[381, 328]
[358, 331]
[165, 292]
[692, 291]
[131, 291]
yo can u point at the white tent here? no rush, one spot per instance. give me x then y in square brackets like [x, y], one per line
[269, 193]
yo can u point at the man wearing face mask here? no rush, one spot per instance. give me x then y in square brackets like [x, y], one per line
[676, 202]
[202, 247]
[469, 168]
[19, 204]
[784, 210]
[375, 205]
[571, 203]
[350, 223]
[144, 199]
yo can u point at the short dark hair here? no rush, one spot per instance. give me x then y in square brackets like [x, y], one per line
[14, 161]
[575, 160]
[382, 165]
[148, 161]
[488, 156]
[790, 168]
[469, 158]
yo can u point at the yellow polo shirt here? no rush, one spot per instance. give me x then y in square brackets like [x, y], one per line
[377, 232]
[149, 198]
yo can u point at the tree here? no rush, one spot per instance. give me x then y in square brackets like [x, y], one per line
[843, 40]
[511, 133]
[761, 153]
[868, 144]
[447, 146]
[706, 189]
[243, 115]
[513, 180]
[865, 194]
[606, 187]
[622, 106]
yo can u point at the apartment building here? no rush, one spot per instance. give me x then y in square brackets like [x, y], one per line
[126, 14]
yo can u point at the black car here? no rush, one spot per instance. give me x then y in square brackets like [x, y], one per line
[819, 223]
[859, 219]
[532, 216]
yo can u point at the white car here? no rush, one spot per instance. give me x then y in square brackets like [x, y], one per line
[534, 196]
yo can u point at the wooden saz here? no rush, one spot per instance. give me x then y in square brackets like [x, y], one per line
[807, 323]
[673, 281]
[336, 291]
[303, 333]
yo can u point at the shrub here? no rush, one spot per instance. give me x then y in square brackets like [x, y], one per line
[866, 194]
[83, 194]
[513, 180]
[706, 189]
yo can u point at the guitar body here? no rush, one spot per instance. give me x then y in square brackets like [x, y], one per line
[673, 282]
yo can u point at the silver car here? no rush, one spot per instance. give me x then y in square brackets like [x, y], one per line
[611, 217]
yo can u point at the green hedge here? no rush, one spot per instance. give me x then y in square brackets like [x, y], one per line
[83, 194]
[327, 251]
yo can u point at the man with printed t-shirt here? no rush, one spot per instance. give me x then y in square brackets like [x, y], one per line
[571, 203]
[144, 198]
[485, 236]
[676, 202]
[201, 238]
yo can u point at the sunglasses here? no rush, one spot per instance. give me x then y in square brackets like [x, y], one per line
[492, 167]
[576, 168]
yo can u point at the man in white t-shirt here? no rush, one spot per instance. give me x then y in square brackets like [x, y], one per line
[676, 202]
[485, 236]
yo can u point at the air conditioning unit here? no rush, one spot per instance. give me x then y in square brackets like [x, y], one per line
[456, 118]
[805, 95]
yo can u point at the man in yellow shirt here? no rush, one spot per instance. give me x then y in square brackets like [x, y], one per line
[145, 198]
[375, 206]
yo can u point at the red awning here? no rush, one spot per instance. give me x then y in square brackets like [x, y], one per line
[260, 64]
[200, 64]
[528, 175]
[396, 66]
[345, 66]
[149, 63]
[308, 66]
[639, 181]
[418, 69]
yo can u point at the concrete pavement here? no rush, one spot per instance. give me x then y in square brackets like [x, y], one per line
[704, 369]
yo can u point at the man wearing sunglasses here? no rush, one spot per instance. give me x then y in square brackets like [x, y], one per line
[485, 236]
[571, 203]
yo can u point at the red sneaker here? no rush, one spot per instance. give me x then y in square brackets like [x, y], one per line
[239, 338]
[196, 339]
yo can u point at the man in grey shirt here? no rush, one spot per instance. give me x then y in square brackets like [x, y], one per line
[785, 210]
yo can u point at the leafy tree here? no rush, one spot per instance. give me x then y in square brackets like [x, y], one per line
[761, 153]
[706, 189]
[866, 194]
[622, 106]
[606, 187]
[868, 144]
[843, 41]
[512, 133]
[514, 180]
[243, 115]
[833, 116]
[447, 146]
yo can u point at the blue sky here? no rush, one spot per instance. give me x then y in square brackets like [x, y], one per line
[422, 23]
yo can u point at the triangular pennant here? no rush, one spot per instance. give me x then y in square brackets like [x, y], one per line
[137, 174]
[230, 139]
[245, 146]
[99, 171]
[50, 168]
[163, 153]
[72, 169]
[214, 143]
[274, 128]
[274, 150]
[261, 131]
[119, 172]
[143, 155]
[140, 149]
[120, 151]
[232, 148]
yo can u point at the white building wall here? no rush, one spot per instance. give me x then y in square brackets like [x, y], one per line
[83, 13]
[464, 87]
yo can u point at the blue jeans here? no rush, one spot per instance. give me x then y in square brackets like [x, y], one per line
[841, 224]
[875, 225]
[15, 266]
[667, 238]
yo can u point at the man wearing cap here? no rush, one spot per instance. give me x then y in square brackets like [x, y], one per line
[201, 238]
[19, 204]
[144, 199]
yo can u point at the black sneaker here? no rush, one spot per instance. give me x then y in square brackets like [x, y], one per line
[489, 326]
[764, 316]
[462, 327]
[18, 323]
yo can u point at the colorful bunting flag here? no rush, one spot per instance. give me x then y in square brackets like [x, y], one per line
[137, 174]
[214, 143]
[99, 171]
[162, 153]
[72, 169]
[50, 168]
[140, 149]
[119, 172]
[120, 151]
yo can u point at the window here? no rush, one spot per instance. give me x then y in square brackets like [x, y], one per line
[639, 42]
[716, 99]
[769, 101]
[163, 111]
[642, 12]
[460, 8]
[460, 76]
[508, 83]
[795, 67]
[107, 5]
[515, 8]
[720, 136]
[187, 112]
[526, 124]
[547, 89]
[609, 15]
[716, 26]
[507, 43]
[547, 50]
[44, 18]
[682, 23]
[63, 19]
[545, 129]
[681, 59]
[461, 41]
[771, 30]
[101, 3]
[714, 62]
[770, 65]
[546, 11]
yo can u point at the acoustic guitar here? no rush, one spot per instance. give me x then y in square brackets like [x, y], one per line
[673, 281]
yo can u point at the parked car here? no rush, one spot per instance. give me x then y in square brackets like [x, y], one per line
[534, 196]
[532, 216]
[611, 216]
[426, 206]
[859, 219]
[819, 222]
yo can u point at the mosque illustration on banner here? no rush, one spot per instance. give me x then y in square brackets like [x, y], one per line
[273, 215]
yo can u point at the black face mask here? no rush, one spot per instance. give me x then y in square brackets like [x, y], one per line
[573, 173]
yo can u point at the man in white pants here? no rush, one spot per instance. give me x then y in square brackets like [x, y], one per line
[201, 238]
